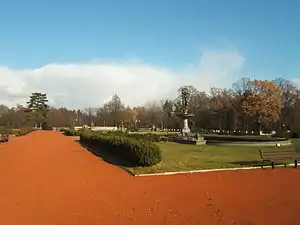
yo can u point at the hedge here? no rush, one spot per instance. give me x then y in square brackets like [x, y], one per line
[73, 132]
[139, 136]
[137, 152]
[22, 132]
[5, 130]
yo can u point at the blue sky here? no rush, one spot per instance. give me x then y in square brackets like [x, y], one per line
[169, 35]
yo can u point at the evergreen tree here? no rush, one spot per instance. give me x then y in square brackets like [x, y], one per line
[38, 108]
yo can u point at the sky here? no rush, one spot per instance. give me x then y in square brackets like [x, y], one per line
[82, 52]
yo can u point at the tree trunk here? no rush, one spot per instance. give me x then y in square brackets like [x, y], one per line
[258, 127]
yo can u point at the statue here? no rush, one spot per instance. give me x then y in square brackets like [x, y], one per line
[184, 115]
[186, 137]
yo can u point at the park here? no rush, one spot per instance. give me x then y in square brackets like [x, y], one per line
[227, 157]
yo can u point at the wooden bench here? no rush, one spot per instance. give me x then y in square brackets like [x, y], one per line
[277, 155]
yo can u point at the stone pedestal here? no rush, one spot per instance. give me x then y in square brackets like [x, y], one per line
[186, 129]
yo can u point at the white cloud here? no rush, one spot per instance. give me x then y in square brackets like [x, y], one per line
[296, 81]
[91, 84]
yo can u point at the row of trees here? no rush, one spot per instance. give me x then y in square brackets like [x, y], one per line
[252, 105]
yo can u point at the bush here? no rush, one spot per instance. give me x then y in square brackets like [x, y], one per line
[69, 132]
[136, 151]
[23, 131]
[285, 134]
[63, 130]
[132, 129]
[138, 136]
[146, 137]
[5, 130]
[75, 132]
[46, 126]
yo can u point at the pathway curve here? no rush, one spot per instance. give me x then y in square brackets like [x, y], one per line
[48, 179]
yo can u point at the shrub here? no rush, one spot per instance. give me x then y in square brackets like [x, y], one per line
[63, 130]
[75, 132]
[138, 136]
[46, 126]
[72, 133]
[146, 136]
[285, 134]
[69, 132]
[5, 130]
[136, 151]
[23, 131]
[132, 129]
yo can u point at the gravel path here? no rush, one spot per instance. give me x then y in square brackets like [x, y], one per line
[49, 179]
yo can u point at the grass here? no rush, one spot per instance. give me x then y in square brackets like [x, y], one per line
[181, 157]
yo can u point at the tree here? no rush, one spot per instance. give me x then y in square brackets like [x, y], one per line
[91, 115]
[154, 114]
[115, 105]
[224, 107]
[289, 97]
[192, 100]
[38, 108]
[61, 117]
[262, 101]
[129, 116]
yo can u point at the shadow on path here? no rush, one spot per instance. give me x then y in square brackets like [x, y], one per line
[109, 158]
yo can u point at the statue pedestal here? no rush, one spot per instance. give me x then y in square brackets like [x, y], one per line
[186, 129]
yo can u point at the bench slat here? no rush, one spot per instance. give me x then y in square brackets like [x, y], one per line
[277, 159]
[278, 154]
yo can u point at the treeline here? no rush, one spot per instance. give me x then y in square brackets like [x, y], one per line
[249, 105]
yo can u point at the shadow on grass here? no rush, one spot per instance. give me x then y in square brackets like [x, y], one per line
[255, 163]
[249, 163]
[109, 158]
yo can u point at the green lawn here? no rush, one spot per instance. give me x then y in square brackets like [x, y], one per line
[183, 157]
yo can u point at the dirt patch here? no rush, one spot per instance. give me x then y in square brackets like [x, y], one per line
[47, 178]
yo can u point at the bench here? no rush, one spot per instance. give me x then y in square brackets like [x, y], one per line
[276, 155]
[3, 138]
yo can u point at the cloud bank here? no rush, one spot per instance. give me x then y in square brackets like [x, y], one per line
[79, 85]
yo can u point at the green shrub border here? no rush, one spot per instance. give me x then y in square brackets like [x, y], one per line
[135, 151]
[24, 132]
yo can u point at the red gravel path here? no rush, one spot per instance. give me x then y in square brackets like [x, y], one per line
[48, 179]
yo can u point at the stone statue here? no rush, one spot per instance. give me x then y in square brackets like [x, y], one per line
[184, 114]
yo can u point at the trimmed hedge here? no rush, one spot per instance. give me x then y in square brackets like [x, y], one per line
[139, 136]
[136, 151]
[22, 132]
[5, 130]
[73, 132]
[145, 137]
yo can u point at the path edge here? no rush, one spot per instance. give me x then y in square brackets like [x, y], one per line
[205, 171]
